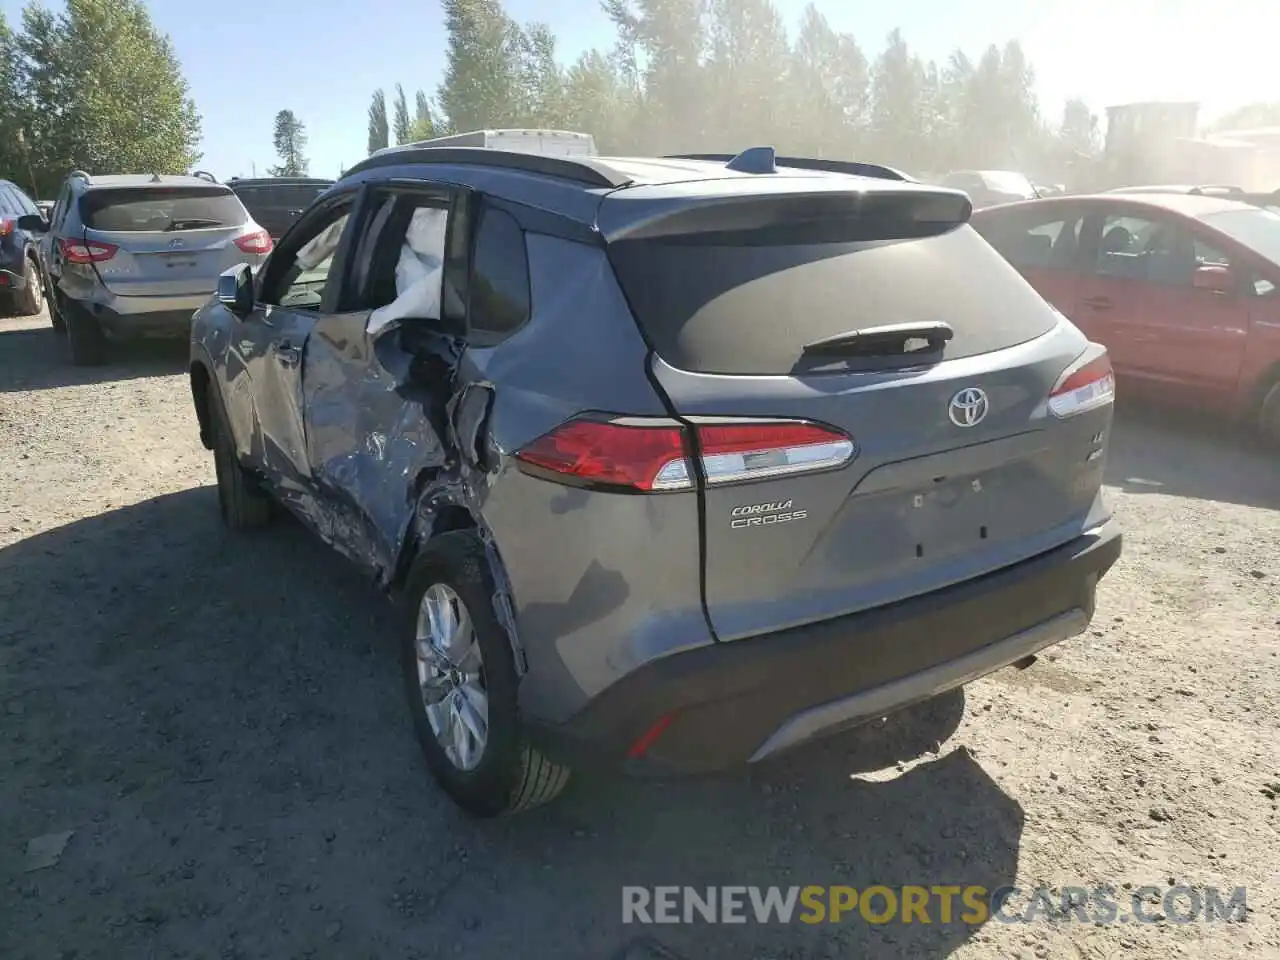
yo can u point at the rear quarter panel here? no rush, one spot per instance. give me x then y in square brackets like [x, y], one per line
[602, 582]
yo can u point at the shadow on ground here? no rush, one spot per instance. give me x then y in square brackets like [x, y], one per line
[1181, 454]
[219, 720]
[36, 358]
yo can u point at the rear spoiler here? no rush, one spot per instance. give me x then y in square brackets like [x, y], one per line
[837, 211]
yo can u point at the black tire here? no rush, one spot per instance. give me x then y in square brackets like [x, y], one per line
[243, 505]
[30, 300]
[85, 338]
[511, 775]
[57, 317]
[1269, 417]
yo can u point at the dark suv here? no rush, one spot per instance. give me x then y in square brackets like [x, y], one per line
[276, 202]
[673, 462]
[22, 272]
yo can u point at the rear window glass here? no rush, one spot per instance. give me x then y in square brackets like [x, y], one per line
[161, 208]
[750, 309]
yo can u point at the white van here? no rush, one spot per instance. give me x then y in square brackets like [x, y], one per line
[557, 143]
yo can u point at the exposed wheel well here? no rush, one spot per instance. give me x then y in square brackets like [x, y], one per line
[200, 395]
[450, 518]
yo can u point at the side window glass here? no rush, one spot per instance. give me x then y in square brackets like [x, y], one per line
[302, 284]
[8, 202]
[500, 300]
[1135, 248]
[1038, 243]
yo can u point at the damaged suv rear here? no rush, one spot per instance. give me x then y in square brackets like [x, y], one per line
[673, 462]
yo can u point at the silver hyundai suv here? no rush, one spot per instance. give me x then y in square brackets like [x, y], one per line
[135, 255]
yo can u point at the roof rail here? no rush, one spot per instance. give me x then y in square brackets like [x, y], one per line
[853, 168]
[80, 175]
[204, 175]
[582, 170]
[1205, 188]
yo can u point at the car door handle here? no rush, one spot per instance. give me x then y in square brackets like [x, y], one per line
[287, 353]
[1097, 303]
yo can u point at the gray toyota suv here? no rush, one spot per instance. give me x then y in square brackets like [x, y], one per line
[674, 462]
[133, 256]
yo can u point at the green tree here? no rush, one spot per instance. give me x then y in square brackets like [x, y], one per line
[747, 102]
[379, 129]
[290, 140]
[423, 126]
[827, 88]
[101, 90]
[401, 124]
[484, 66]
[542, 79]
[670, 38]
[897, 90]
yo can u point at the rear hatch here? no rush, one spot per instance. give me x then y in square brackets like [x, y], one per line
[915, 455]
[164, 241]
[276, 206]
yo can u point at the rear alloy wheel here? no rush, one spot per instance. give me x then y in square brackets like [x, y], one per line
[461, 683]
[31, 300]
[1269, 417]
[243, 505]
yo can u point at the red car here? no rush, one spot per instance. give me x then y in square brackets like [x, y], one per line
[1181, 289]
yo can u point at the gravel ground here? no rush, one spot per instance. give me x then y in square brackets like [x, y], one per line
[218, 719]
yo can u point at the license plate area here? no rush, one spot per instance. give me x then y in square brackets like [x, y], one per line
[951, 515]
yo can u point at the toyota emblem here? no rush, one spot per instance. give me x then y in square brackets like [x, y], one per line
[968, 408]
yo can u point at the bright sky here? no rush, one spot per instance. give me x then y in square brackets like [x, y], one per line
[247, 59]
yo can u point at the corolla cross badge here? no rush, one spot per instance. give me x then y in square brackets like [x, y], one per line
[968, 407]
[176, 244]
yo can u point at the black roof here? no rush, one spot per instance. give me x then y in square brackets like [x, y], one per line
[274, 181]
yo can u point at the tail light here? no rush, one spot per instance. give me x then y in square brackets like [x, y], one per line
[1087, 384]
[7, 225]
[647, 456]
[257, 242]
[87, 251]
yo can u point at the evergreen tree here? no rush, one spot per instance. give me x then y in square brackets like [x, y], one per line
[291, 145]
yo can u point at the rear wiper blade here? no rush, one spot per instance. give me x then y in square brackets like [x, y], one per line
[193, 223]
[887, 341]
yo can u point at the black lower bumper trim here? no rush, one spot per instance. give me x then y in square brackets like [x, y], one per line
[732, 701]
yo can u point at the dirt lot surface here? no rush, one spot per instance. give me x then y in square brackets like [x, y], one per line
[218, 720]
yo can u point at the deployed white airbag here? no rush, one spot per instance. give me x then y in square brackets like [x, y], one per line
[419, 272]
[320, 247]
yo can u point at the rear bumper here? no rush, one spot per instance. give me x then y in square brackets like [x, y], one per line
[131, 318]
[746, 700]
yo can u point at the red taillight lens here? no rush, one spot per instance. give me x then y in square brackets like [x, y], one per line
[1087, 384]
[614, 453]
[629, 453]
[7, 226]
[257, 242]
[87, 251]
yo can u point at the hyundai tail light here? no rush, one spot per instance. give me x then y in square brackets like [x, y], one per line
[257, 242]
[86, 251]
[651, 456]
[1087, 384]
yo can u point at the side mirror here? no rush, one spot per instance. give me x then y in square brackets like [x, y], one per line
[1214, 278]
[33, 223]
[235, 290]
